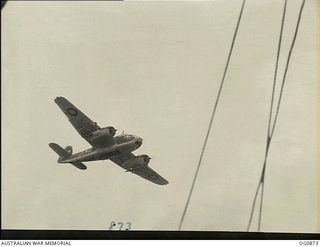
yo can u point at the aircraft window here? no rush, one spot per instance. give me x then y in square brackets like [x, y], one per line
[121, 139]
[124, 138]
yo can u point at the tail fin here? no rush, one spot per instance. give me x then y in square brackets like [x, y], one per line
[69, 150]
[64, 153]
[59, 150]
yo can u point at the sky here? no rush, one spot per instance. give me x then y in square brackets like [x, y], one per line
[153, 69]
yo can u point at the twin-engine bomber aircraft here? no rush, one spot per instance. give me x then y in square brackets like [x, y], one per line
[105, 145]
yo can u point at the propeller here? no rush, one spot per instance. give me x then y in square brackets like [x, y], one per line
[146, 158]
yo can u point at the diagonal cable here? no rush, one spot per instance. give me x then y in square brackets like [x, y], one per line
[212, 116]
[271, 130]
[278, 108]
[271, 107]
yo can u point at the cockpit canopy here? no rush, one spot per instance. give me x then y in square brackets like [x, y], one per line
[125, 138]
[128, 137]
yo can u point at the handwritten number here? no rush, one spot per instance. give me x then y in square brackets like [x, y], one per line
[112, 224]
[118, 226]
[128, 226]
[120, 223]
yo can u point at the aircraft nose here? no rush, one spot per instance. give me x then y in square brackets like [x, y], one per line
[138, 141]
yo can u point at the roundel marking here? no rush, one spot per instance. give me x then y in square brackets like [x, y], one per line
[72, 112]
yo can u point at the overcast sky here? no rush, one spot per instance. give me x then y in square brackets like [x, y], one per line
[153, 69]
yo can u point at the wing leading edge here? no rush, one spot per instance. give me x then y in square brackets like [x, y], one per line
[83, 124]
[144, 172]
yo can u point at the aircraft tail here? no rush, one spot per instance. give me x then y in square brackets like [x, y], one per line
[64, 153]
[60, 151]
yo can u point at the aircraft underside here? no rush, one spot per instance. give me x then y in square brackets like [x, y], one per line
[105, 145]
[93, 156]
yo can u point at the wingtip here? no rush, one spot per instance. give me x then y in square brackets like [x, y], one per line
[165, 183]
[52, 144]
[58, 98]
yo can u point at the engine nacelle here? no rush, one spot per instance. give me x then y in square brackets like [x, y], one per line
[107, 131]
[137, 162]
[110, 131]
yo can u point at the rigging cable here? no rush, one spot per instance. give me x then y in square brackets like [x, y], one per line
[271, 129]
[212, 115]
[271, 107]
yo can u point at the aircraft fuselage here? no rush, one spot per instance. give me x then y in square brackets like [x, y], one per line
[124, 144]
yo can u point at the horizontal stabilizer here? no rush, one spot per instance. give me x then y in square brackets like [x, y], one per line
[59, 150]
[79, 165]
[65, 153]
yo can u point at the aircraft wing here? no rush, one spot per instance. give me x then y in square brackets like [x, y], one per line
[83, 124]
[144, 172]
